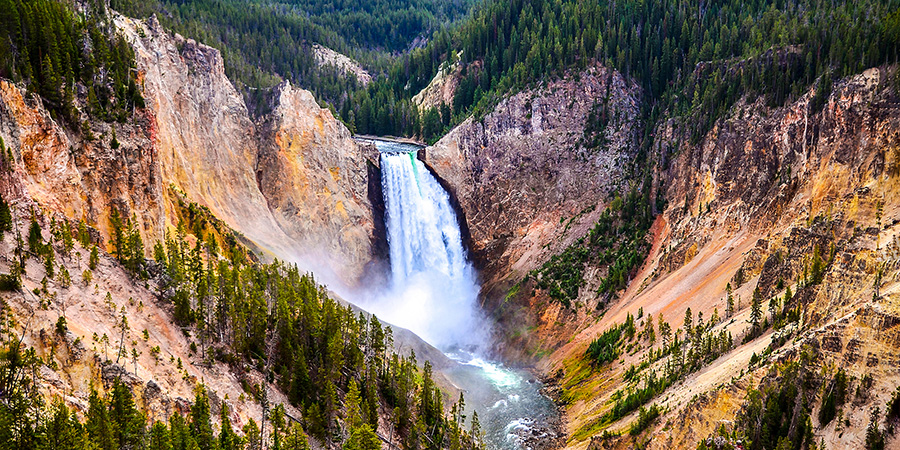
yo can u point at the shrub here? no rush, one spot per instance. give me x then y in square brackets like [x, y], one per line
[605, 348]
[9, 282]
[893, 407]
[645, 418]
[834, 397]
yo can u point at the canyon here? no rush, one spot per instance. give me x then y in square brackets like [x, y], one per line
[743, 212]
[196, 138]
[292, 186]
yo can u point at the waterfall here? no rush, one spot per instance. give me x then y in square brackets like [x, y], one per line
[434, 293]
[433, 288]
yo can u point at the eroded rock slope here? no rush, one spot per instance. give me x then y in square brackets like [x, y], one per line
[790, 203]
[295, 184]
[522, 171]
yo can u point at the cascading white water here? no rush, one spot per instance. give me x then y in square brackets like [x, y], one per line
[434, 293]
[422, 230]
[433, 284]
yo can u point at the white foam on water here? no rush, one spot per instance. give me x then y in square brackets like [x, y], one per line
[515, 428]
[518, 424]
[496, 373]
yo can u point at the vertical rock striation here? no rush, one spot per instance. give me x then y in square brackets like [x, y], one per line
[315, 178]
[206, 141]
[80, 178]
[295, 182]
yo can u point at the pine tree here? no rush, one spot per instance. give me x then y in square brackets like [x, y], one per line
[66, 235]
[159, 437]
[773, 308]
[729, 311]
[352, 402]
[756, 310]
[35, 238]
[159, 254]
[228, 440]
[874, 436]
[277, 418]
[98, 425]
[62, 431]
[665, 330]
[316, 422]
[84, 238]
[128, 423]
[649, 330]
[431, 124]
[118, 235]
[253, 439]
[49, 262]
[5, 218]
[688, 325]
[180, 433]
[476, 432]
[94, 258]
[201, 425]
[301, 386]
[135, 246]
[295, 438]
[113, 142]
[362, 438]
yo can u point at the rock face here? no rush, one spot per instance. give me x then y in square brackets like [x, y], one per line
[767, 165]
[296, 184]
[80, 179]
[202, 131]
[328, 57]
[47, 168]
[440, 89]
[750, 205]
[808, 178]
[315, 178]
[521, 171]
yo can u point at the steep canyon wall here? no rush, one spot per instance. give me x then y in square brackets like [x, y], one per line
[293, 182]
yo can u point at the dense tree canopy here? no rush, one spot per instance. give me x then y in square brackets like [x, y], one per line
[691, 58]
[696, 57]
[263, 42]
[51, 48]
